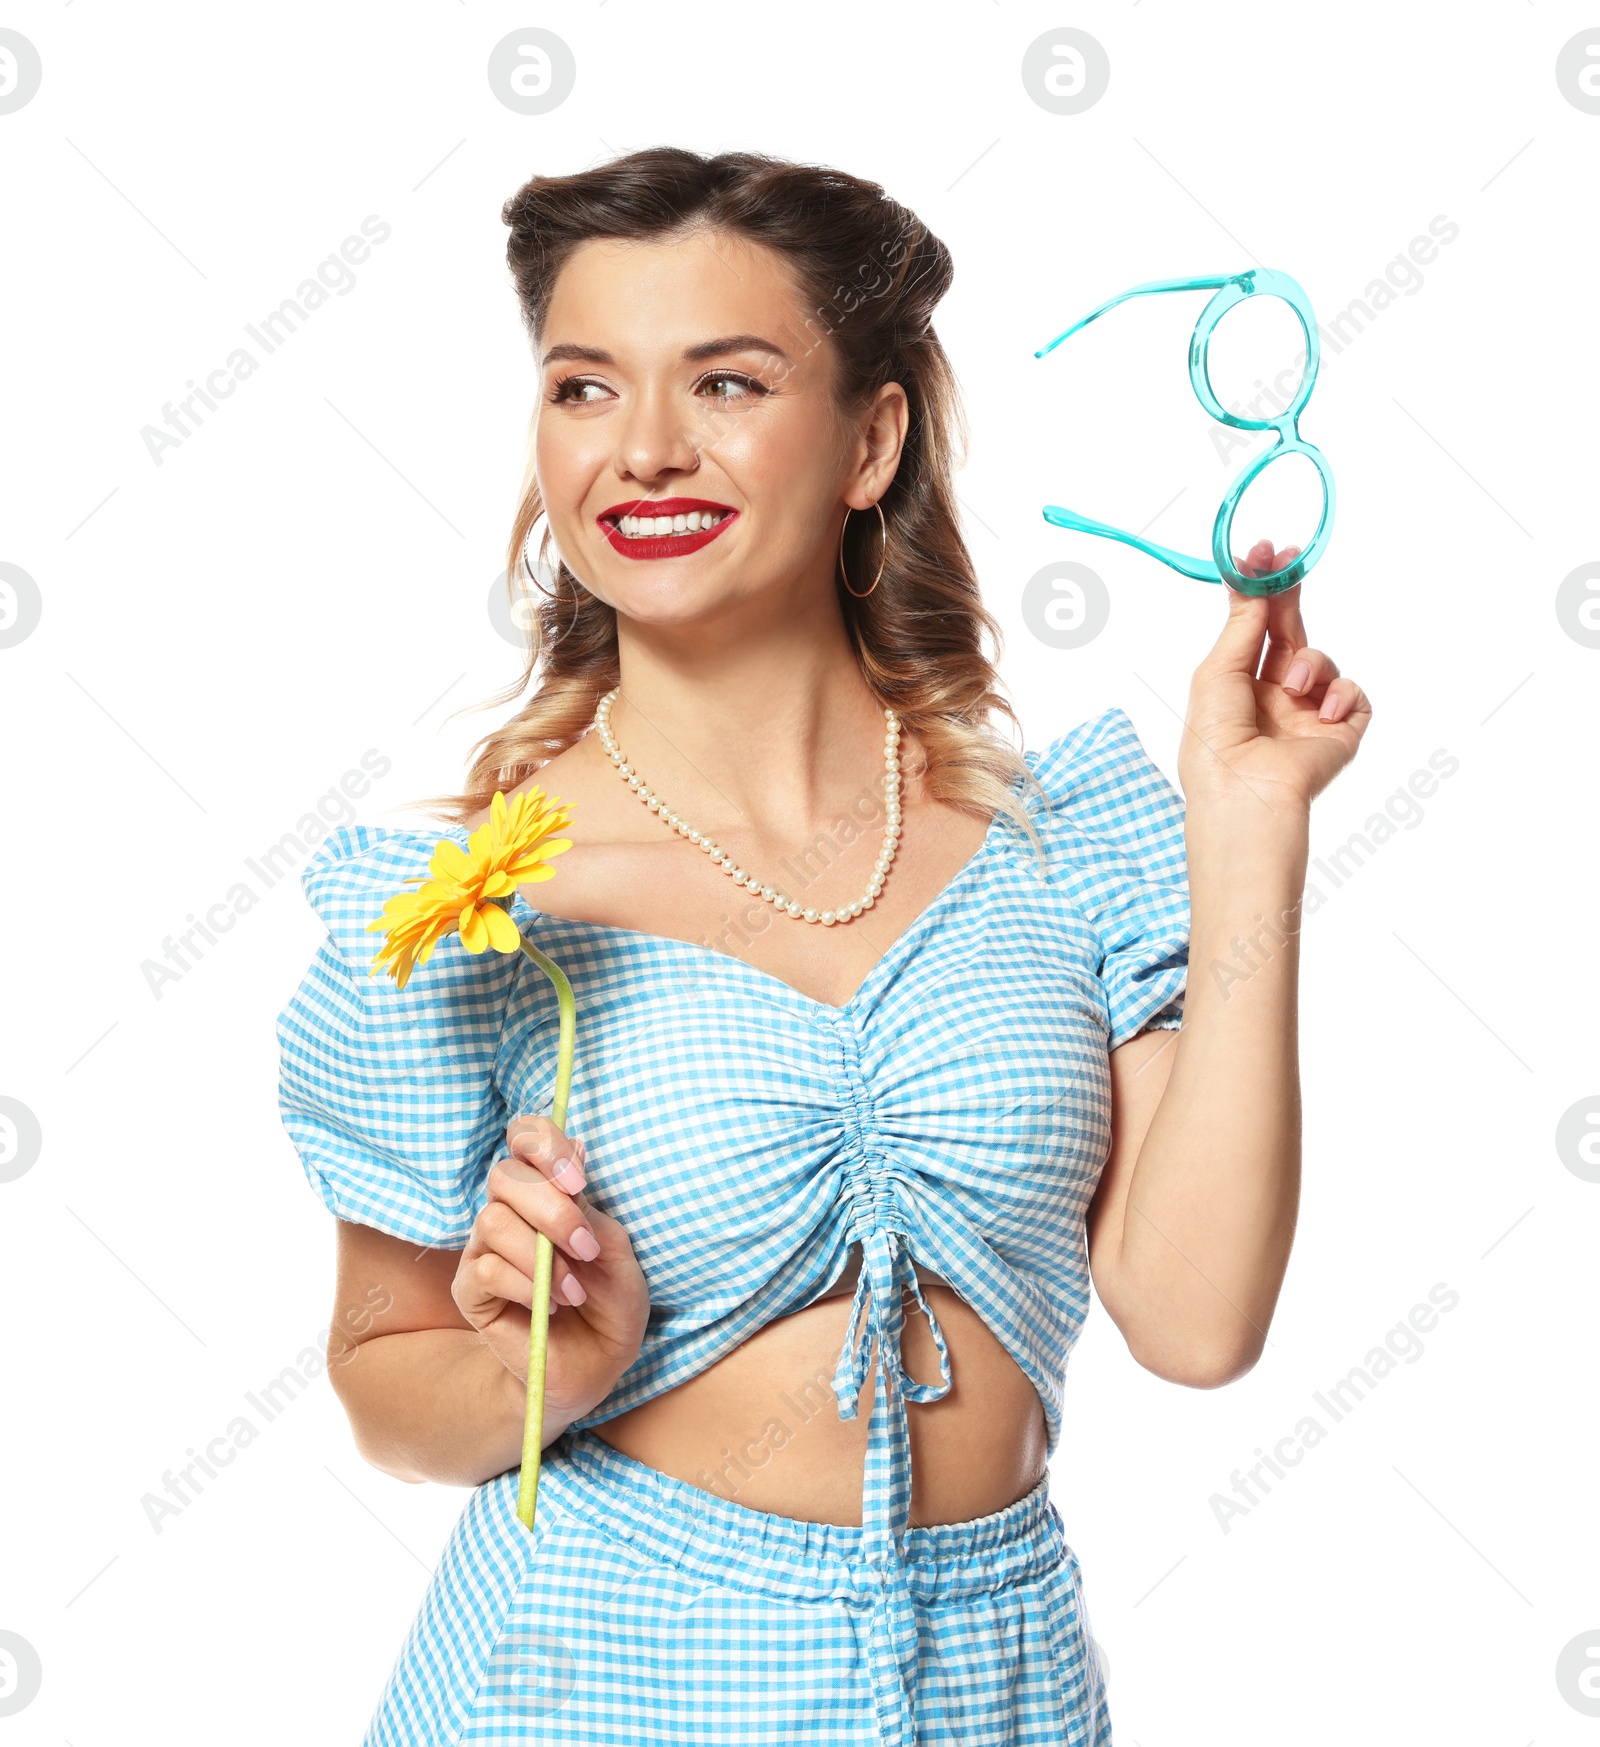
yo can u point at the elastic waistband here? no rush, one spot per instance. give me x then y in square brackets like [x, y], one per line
[721, 1541]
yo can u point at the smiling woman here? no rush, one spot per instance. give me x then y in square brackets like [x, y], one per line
[825, 1220]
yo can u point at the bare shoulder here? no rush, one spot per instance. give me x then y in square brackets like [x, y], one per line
[615, 853]
[569, 777]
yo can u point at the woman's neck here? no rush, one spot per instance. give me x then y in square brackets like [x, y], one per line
[776, 736]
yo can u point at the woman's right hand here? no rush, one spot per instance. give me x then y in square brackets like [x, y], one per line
[536, 1188]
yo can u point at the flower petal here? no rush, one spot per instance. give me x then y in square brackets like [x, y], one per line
[542, 851]
[450, 860]
[474, 930]
[504, 935]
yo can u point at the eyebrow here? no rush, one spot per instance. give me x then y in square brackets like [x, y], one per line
[720, 348]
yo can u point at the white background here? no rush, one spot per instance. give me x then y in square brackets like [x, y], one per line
[307, 577]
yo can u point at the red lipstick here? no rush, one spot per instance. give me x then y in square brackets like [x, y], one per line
[714, 517]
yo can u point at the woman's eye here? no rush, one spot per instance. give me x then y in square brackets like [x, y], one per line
[576, 391]
[724, 379]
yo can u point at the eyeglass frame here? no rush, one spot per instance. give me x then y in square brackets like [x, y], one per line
[1231, 289]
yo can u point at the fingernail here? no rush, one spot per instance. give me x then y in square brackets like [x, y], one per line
[583, 1244]
[1330, 707]
[1298, 676]
[572, 1291]
[569, 1176]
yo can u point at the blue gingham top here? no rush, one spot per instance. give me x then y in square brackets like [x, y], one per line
[956, 1109]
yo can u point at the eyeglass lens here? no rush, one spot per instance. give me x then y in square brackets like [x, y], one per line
[1256, 363]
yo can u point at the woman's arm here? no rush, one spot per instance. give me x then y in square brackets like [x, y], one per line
[1192, 1223]
[429, 1350]
[1190, 1229]
[425, 1397]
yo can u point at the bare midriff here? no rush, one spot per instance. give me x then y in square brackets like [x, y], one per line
[762, 1426]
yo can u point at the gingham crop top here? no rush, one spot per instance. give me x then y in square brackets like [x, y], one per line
[955, 1111]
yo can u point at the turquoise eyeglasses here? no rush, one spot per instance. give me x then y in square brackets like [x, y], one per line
[1231, 289]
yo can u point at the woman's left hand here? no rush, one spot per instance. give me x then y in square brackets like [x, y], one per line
[1282, 733]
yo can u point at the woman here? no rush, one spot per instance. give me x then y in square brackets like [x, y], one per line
[864, 1099]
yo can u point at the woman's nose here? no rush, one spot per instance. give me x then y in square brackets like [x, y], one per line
[656, 438]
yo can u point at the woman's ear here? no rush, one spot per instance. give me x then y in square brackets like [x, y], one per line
[883, 435]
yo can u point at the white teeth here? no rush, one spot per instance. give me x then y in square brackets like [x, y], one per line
[648, 527]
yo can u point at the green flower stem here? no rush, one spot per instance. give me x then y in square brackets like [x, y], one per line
[544, 1255]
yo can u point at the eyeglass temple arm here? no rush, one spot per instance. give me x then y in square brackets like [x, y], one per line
[1206, 282]
[1201, 569]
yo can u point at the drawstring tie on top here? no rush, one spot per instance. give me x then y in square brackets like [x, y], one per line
[886, 1268]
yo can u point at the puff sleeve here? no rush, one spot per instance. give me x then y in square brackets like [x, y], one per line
[1113, 831]
[389, 1094]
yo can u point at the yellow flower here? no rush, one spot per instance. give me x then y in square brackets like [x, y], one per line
[511, 848]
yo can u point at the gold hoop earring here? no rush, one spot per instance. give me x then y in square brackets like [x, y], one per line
[883, 554]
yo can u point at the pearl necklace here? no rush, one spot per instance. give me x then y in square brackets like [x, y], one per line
[720, 857]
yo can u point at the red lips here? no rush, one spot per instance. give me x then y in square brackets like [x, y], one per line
[655, 546]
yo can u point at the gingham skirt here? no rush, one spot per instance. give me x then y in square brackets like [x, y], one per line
[647, 1611]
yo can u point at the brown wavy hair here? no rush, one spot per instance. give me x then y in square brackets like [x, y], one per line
[870, 273]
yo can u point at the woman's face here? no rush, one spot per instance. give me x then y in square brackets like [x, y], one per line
[680, 380]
